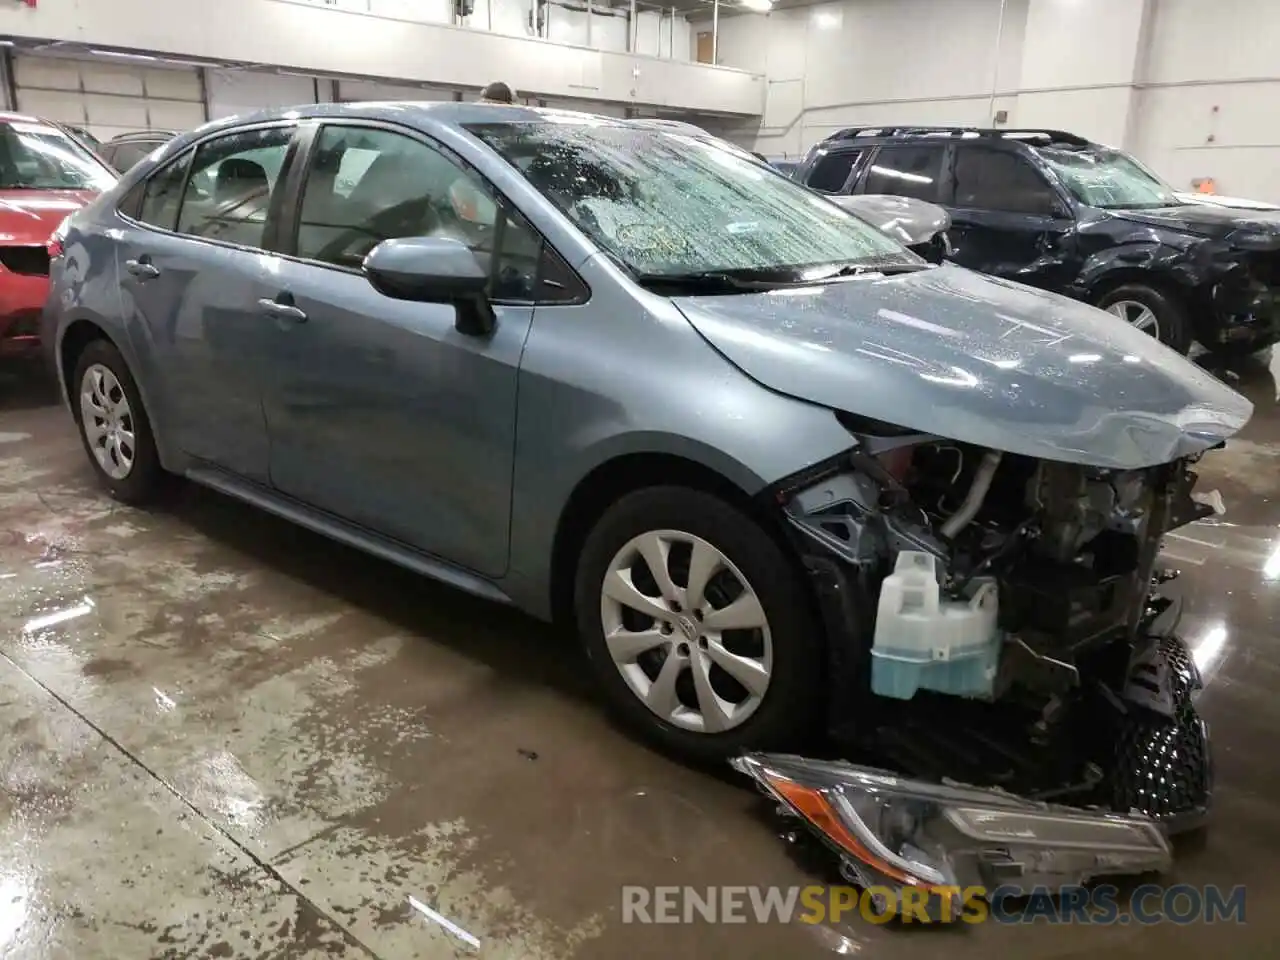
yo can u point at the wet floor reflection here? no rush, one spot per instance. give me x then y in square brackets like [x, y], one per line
[263, 744]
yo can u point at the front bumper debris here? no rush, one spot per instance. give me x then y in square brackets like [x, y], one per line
[945, 840]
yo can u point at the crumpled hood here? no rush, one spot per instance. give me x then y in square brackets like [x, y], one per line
[983, 361]
[1207, 220]
[31, 216]
[907, 220]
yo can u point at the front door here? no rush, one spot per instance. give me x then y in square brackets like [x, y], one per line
[380, 410]
[1008, 221]
[191, 271]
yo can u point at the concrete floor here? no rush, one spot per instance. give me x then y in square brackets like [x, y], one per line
[226, 737]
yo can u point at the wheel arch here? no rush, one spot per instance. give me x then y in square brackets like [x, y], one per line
[1165, 282]
[626, 473]
[71, 344]
[75, 336]
[1166, 268]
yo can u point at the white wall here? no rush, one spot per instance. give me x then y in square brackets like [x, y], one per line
[568, 25]
[1211, 103]
[874, 61]
[1190, 86]
[657, 35]
[312, 37]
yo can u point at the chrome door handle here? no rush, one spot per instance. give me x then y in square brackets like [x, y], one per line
[142, 269]
[282, 311]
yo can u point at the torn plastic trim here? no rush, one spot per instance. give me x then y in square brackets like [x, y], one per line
[897, 833]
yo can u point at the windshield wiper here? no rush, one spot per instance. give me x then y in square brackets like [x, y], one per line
[716, 281]
[709, 281]
[869, 269]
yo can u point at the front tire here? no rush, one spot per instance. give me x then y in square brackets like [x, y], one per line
[698, 626]
[1152, 311]
[113, 425]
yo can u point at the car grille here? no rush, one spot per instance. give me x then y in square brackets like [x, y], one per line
[29, 261]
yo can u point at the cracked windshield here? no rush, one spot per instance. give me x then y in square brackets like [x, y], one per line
[667, 204]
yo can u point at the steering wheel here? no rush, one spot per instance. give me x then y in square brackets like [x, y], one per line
[408, 218]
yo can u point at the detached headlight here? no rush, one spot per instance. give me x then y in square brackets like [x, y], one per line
[896, 833]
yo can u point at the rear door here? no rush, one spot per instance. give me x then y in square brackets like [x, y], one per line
[1007, 219]
[906, 170]
[192, 267]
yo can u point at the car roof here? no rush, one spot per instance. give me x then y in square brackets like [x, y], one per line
[8, 117]
[1037, 136]
[449, 113]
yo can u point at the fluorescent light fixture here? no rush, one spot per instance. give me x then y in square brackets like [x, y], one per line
[759, 6]
[123, 56]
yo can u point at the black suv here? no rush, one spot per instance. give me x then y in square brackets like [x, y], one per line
[1056, 211]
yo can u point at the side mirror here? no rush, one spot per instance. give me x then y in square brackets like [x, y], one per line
[434, 270]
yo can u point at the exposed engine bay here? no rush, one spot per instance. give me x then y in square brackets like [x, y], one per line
[997, 622]
[1000, 593]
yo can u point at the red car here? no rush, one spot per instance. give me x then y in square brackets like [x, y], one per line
[46, 174]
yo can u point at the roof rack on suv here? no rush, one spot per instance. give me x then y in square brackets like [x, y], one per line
[144, 134]
[1033, 133]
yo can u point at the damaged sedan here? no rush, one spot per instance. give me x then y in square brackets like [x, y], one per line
[783, 475]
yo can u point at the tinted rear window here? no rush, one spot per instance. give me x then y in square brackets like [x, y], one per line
[907, 171]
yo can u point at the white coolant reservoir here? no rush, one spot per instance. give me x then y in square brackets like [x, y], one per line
[925, 642]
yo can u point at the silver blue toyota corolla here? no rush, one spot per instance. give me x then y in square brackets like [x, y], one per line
[779, 471]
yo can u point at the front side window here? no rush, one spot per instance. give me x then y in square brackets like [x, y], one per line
[831, 172]
[232, 181]
[1000, 180]
[666, 204]
[906, 171]
[1108, 179]
[367, 185]
[34, 156]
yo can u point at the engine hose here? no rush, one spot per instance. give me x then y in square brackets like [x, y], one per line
[977, 493]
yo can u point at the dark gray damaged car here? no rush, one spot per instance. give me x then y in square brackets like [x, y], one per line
[781, 472]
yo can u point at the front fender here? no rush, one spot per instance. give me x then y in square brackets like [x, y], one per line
[628, 375]
[1185, 267]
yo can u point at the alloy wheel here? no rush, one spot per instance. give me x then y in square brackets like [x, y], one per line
[687, 631]
[107, 421]
[1136, 314]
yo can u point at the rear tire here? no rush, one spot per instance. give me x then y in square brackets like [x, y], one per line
[114, 427]
[1153, 311]
[702, 712]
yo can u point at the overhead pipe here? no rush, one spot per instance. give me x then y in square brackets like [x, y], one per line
[715, 32]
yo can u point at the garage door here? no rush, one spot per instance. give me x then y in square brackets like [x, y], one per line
[353, 90]
[108, 98]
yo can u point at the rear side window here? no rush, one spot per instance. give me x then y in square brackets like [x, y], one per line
[907, 171]
[162, 194]
[1000, 180]
[831, 172]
